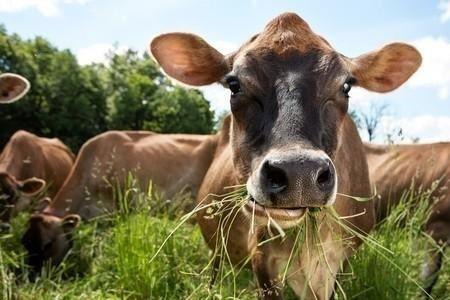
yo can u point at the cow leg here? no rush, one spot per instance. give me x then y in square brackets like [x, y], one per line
[431, 267]
[438, 228]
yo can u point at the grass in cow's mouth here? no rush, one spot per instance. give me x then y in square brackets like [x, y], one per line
[307, 234]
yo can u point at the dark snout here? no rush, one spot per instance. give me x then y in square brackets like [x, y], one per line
[35, 256]
[293, 180]
[5, 227]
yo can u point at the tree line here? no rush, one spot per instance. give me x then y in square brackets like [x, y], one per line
[75, 102]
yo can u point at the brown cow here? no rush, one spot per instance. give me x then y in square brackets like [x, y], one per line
[26, 163]
[12, 87]
[290, 140]
[394, 169]
[171, 161]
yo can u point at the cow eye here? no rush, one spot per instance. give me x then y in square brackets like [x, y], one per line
[346, 88]
[233, 85]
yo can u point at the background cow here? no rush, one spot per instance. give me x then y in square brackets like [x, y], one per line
[172, 162]
[394, 169]
[291, 141]
[26, 164]
[12, 87]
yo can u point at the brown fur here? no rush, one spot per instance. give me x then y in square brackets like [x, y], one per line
[173, 162]
[26, 156]
[394, 169]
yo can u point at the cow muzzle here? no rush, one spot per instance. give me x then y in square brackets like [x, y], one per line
[287, 183]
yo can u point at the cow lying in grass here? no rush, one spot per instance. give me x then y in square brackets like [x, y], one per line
[172, 162]
[26, 164]
[394, 169]
[293, 145]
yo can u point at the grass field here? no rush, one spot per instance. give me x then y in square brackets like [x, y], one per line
[112, 260]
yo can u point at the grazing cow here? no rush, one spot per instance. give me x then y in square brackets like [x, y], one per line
[290, 140]
[394, 169]
[12, 87]
[26, 164]
[172, 162]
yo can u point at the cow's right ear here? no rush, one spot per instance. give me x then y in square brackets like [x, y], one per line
[70, 222]
[12, 87]
[188, 58]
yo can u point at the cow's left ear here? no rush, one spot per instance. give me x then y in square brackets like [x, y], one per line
[12, 87]
[31, 186]
[386, 69]
[42, 204]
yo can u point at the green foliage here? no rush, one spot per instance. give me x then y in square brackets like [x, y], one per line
[140, 101]
[374, 274]
[74, 102]
[66, 100]
[112, 259]
[179, 110]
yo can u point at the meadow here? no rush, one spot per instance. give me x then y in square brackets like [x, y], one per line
[112, 258]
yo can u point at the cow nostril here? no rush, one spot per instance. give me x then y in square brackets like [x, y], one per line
[325, 179]
[276, 178]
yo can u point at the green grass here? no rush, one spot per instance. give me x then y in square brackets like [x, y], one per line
[112, 259]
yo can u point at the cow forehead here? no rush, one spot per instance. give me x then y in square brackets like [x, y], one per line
[286, 44]
[262, 69]
[286, 33]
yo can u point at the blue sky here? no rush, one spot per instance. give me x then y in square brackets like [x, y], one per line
[421, 107]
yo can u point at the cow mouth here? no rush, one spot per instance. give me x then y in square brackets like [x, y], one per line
[286, 217]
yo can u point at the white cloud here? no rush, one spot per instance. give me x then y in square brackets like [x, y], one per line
[428, 128]
[218, 96]
[47, 8]
[434, 71]
[96, 53]
[224, 47]
[363, 98]
[444, 6]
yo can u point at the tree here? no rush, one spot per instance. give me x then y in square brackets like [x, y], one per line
[74, 102]
[371, 120]
[132, 84]
[356, 118]
[65, 101]
[141, 97]
[178, 109]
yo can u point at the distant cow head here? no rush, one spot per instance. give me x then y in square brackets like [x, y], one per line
[12, 87]
[48, 237]
[289, 96]
[16, 195]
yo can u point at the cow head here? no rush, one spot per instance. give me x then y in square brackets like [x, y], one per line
[16, 195]
[289, 96]
[12, 87]
[48, 238]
